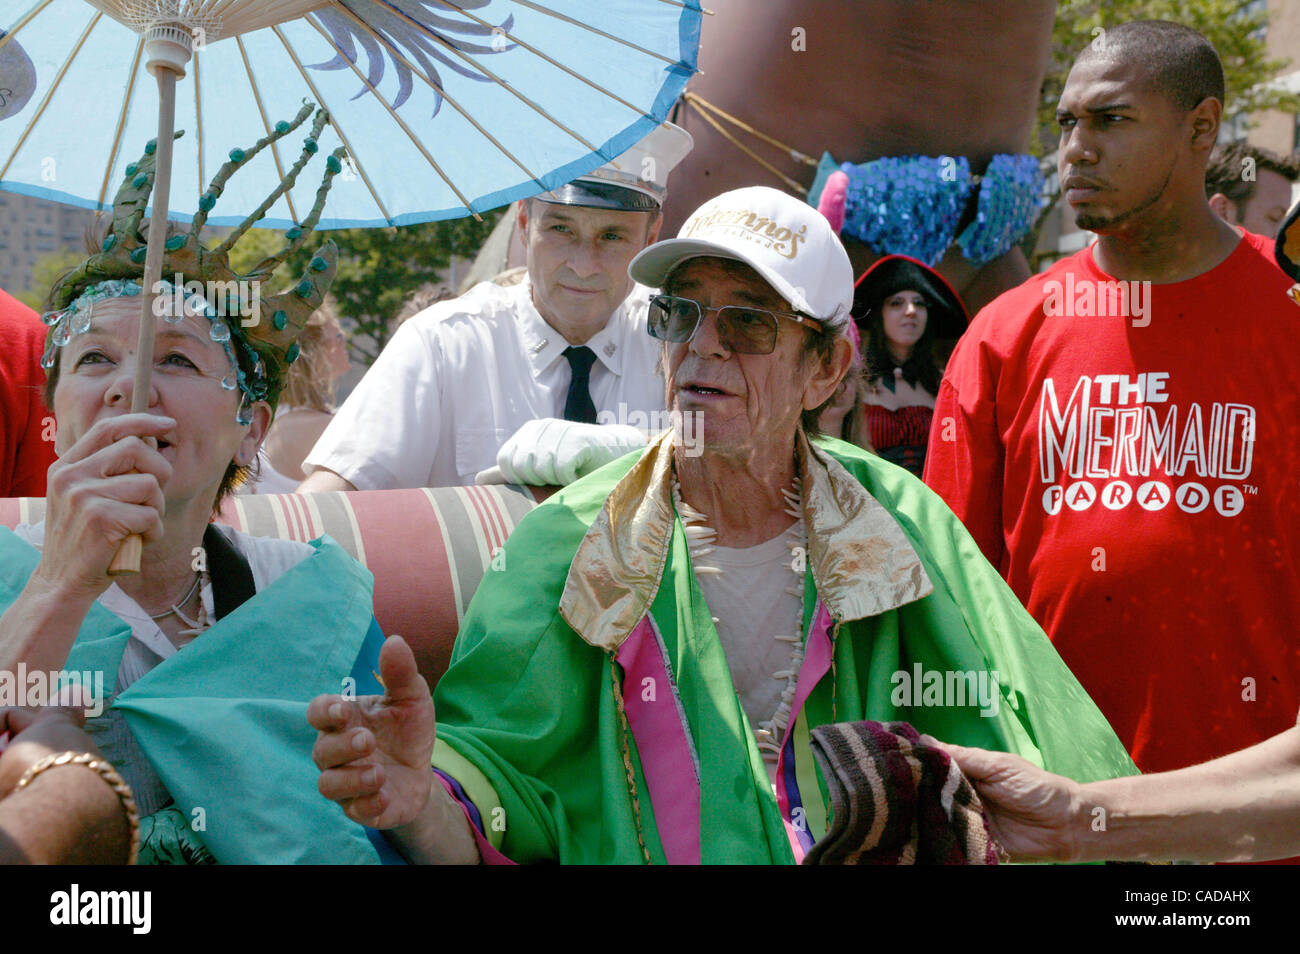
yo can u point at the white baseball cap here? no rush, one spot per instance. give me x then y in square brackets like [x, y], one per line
[635, 181]
[788, 242]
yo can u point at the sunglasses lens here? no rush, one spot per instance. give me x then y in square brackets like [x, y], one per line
[741, 330]
[747, 330]
[673, 319]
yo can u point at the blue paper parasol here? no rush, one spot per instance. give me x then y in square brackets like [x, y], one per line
[446, 107]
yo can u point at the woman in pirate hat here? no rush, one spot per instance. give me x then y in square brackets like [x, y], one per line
[908, 316]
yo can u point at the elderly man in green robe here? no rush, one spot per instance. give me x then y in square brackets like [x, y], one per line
[638, 681]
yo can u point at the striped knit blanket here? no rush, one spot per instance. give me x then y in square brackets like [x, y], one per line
[896, 800]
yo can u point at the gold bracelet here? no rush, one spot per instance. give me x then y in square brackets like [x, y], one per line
[107, 773]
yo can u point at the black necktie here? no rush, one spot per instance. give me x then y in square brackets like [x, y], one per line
[578, 405]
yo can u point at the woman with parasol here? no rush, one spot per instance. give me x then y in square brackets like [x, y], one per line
[200, 665]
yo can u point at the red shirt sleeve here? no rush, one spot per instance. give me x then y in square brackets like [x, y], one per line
[964, 462]
[26, 422]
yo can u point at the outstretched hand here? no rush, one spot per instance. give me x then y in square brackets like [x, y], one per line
[374, 751]
[1031, 811]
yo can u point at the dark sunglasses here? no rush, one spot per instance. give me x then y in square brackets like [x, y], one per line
[741, 329]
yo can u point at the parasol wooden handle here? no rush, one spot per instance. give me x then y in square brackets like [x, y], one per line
[127, 558]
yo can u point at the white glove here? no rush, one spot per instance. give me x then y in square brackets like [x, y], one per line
[552, 452]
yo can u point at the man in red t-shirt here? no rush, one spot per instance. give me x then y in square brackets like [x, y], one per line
[1121, 434]
[26, 427]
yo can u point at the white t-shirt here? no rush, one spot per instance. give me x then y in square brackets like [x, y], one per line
[458, 379]
[268, 479]
[755, 598]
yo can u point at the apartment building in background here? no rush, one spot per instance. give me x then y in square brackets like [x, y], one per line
[31, 229]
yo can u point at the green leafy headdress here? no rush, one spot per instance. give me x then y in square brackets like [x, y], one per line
[265, 341]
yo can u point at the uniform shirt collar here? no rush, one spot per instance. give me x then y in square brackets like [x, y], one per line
[544, 345]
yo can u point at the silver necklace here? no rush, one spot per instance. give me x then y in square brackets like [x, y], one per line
[177, 608]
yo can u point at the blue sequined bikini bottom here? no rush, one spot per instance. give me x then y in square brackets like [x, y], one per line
[912, 205]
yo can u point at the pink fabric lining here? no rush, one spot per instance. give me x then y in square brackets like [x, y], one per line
[816, 664]
[489, 854]
[662, 743]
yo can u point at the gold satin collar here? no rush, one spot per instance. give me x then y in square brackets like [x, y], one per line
[861, 561]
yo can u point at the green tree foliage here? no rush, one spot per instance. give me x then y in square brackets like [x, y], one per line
[379, 269]
[45, 273]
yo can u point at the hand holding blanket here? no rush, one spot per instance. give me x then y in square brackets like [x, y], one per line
[896, 800]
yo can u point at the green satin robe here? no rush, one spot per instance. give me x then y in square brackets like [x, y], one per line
[529, 722]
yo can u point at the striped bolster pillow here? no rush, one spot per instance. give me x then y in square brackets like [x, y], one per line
[428, 549]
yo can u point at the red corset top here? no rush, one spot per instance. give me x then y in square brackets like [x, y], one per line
[900, 436]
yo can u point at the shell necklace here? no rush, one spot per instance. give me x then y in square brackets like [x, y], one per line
[700, 542]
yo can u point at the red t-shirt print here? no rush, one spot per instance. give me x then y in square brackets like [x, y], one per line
[1133, 470]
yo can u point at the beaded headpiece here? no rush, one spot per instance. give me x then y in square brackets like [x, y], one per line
[266, 339]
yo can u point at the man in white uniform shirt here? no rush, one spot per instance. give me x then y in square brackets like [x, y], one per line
[552, 355]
